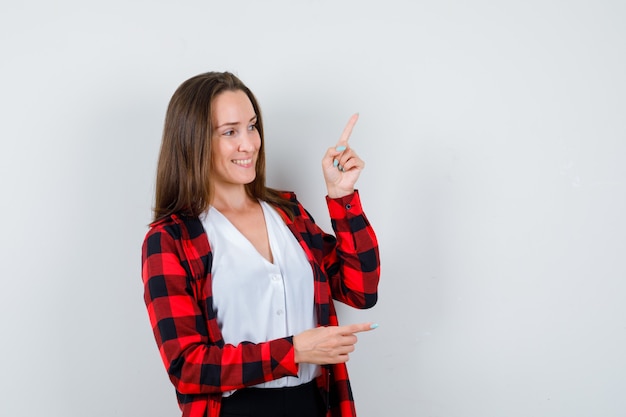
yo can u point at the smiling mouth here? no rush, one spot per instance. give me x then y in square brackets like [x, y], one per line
[242, 162]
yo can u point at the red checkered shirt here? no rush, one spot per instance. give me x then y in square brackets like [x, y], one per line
[176, 271]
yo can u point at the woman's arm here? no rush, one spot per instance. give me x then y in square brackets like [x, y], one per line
[351, 261]
[191, 346]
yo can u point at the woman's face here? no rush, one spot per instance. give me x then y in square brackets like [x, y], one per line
[236, 140]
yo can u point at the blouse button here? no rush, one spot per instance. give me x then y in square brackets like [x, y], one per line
[348, 206]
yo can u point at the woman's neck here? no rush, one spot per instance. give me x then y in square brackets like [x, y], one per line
[233, 199]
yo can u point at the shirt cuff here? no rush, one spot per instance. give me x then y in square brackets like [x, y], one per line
[346, 206]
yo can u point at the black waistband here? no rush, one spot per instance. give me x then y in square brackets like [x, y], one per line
[301, 400]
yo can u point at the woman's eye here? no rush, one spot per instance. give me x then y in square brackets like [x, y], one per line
[229, 133]
[252, 127]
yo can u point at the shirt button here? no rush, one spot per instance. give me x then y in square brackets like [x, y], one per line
[348, 206]
[275, 277]
[279, 312]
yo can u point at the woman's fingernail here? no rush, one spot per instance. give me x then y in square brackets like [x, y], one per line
[336, 162]
[340, 168]
[340, 148]
[374, 326]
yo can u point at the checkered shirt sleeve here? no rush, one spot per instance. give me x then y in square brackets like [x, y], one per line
[191, 346]
[352, 263]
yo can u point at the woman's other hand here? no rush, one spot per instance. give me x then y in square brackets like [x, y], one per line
[328, 345]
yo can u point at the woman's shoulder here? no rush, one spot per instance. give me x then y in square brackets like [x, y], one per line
[285, 194]
[288, 202]
[177, 226]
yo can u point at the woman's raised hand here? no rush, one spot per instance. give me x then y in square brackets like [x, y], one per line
[341, 165]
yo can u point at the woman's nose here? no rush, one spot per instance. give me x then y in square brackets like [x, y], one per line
[247, 142]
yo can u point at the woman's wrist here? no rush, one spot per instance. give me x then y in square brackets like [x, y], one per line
[336, 193]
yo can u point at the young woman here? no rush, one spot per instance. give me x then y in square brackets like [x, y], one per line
[239, 280]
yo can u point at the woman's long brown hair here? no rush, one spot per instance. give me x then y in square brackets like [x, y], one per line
[183, 182]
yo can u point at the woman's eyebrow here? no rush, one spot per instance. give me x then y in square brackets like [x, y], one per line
[227, 124]
[234, 123]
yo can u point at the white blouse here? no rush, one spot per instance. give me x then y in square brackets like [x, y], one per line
[257, 300]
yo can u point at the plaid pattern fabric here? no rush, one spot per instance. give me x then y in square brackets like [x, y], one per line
[176, 272]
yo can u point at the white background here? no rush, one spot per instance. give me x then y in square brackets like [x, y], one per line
[494, 134]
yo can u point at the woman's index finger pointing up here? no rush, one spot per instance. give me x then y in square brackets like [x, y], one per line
[347, 131]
